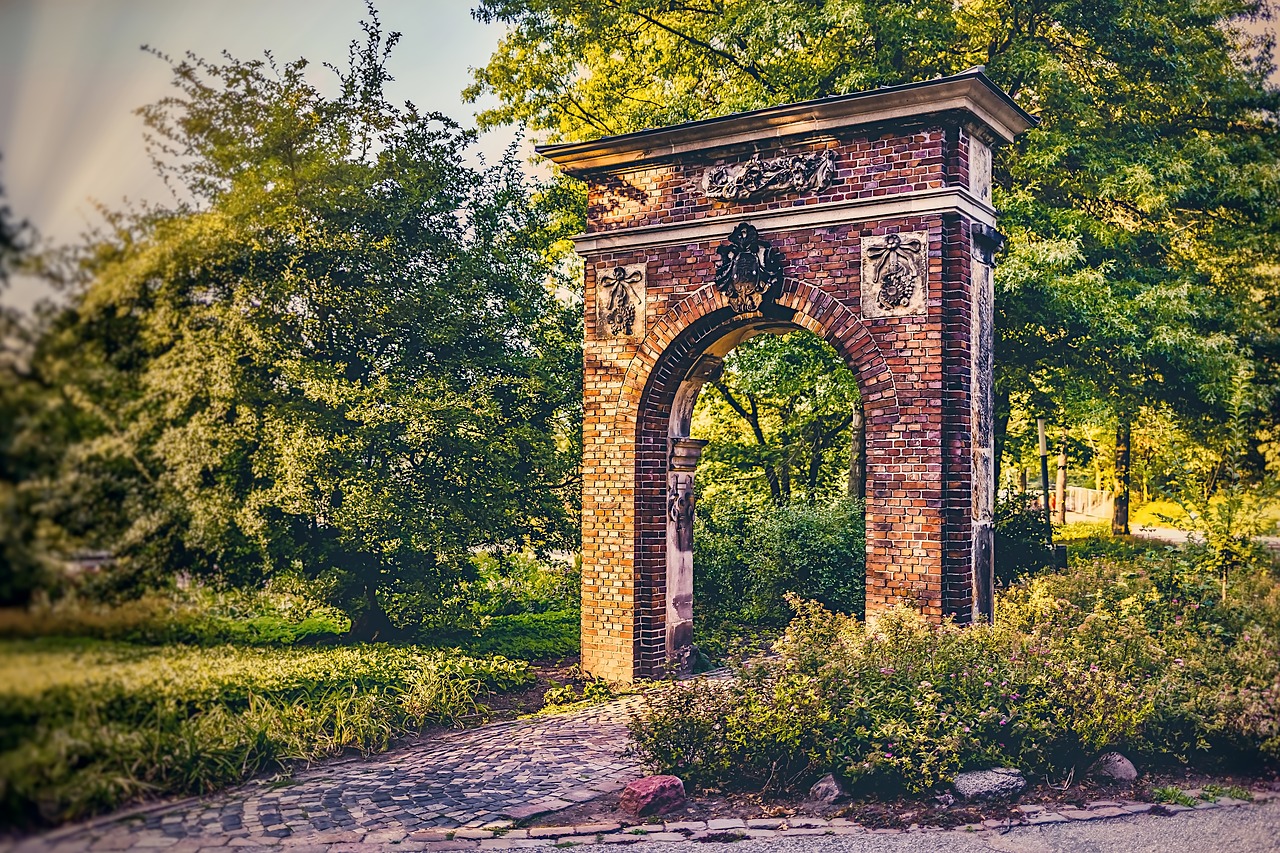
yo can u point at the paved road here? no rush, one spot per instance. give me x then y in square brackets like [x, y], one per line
[1241, 829]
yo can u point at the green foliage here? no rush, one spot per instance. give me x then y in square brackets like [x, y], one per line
[1142, 229]
[1143, 656]
[339, 354]
[577, 693]
[520, 636]
[1021, 540]
[748, 558]
[86, 726]
[1172, 794]
[194, 616]
[778, 421]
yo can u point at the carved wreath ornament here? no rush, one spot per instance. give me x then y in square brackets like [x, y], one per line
[756, 177]
[749, 268]
[621, 300]
[894, 274]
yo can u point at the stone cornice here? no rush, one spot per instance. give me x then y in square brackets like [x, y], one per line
[970, 92]
[936, 201]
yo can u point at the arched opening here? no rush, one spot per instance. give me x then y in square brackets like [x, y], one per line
[780, 484]
[779, 504]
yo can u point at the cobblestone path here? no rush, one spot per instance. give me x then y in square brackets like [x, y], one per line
[493, 774]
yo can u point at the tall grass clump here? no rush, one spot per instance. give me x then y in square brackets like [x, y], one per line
[1144, 654]
[87, 726]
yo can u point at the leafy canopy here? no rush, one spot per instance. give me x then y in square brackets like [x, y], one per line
[338, 352]
[1141, 213]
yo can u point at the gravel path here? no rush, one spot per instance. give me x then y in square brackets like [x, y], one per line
[1240, 829]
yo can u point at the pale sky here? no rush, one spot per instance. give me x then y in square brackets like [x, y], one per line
[72, 73]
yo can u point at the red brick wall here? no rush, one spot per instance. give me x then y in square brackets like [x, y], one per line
[913, 373]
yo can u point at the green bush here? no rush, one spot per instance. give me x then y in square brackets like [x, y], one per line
[1144, 656]
[87, 726]
[519, 636]
[748, 558]
[1021, 540]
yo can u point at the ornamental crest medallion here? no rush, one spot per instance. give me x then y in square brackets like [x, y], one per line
[620, 300]
[749, 269]
[758, 178]
[895, 274]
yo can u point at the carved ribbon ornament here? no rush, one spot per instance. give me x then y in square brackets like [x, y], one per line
[756, 177]
[748, 270]
[620, 308]
[898, 270]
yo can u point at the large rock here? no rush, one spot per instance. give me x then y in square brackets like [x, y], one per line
[652, 795]
[999, 783]
[828, 790]
[1113, 767]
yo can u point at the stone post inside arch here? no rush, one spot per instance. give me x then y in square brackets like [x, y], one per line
[865, 218]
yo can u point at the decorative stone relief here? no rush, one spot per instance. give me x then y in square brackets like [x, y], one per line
[682, 462]
[980, 142]
[895, 274]
[620, 300]
[749, 269]
[757, 178]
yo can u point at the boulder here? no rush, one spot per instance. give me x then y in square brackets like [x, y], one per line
[652, 795]
[828, 789]
[1113, 767]
[998, 783]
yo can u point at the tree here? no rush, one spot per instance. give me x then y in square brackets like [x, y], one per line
[779, 420]
[337, 353]
[1140, 214]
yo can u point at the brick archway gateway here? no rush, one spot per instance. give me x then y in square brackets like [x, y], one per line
[864, 218]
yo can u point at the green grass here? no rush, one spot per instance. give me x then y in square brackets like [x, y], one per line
[520, 636]
[87, 726]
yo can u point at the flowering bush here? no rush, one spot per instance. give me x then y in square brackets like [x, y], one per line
[1140, 655]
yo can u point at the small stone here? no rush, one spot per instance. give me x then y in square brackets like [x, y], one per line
[945, 800]
[1113, 767]
[652, 795]
[996, 784]
[828, 790]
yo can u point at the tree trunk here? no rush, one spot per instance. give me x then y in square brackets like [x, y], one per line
[1061, 493]
[372, 623]
[1022, 480]
[1120, 503]
[858, 454]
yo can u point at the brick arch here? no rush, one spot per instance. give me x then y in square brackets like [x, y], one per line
[809, 308]
[655, 377]
[831, 182]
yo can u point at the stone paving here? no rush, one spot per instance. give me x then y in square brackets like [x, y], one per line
[491, 775]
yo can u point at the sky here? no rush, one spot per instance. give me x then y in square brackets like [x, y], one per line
[72, 72]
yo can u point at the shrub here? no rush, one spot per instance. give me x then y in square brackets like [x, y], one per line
[747, 558]
[1021, 540]
[87, 726]
[1145, 656]
[520, 636]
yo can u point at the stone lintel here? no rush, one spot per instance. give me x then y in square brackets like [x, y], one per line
[969, 92]
[924, 202]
